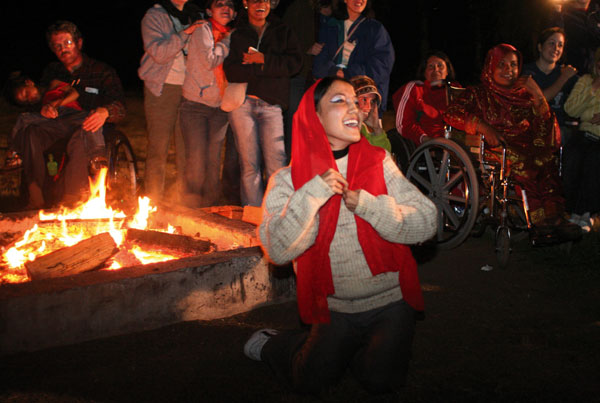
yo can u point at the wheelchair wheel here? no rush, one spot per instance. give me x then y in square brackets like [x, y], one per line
[502, 246]
[443, 171]
[402, 148]
[123, 180]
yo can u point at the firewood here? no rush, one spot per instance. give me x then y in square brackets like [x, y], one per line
[83, 256]
[166, 240]
[252, 215]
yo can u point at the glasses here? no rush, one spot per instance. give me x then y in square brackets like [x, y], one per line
[64, 45]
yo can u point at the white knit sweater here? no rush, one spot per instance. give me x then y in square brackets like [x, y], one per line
[291, 222]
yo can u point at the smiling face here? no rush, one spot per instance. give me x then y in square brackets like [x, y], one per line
[222, 11]
[258, 10]
[552, 49]
[355, 8]
[338, 113]
[435, 69]
[67, 50]
[507, 70]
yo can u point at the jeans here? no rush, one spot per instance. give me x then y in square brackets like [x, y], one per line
[376, 345]
[203, 129]
[162, 122]
[258, 131]
[34, 136]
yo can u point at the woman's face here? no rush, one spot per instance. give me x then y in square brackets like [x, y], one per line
[552, 49]
[222, 11]
[338, 113]
[258, 10]
[355, 7]
[507, 70]
[435, 69]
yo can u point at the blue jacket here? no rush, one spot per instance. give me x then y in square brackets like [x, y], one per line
[373, 54]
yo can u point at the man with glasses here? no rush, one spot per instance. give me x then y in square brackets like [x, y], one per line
[102, 99]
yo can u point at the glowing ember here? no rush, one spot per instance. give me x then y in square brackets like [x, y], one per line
[56, 233]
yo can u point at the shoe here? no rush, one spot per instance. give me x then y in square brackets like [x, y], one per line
[255, 343]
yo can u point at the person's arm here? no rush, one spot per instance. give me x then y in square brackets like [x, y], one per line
[285, 61]
[580, 97]
[323, 63]
[69, 94]
[566, 72]
[290, 217]
[113, 109]
[404, 215]
[235, 70]
[161, 42]
[204, 50]
[406, 115]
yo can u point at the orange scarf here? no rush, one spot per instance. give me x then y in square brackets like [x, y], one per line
[219, 31]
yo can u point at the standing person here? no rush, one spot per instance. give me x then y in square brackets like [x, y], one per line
[582, 153]
[580, 20]
[203, 123]
[512, 109]
[353, 45]
[101, 97]
[166, 28]
[420, 104]
[264, 54]
[343, 212]
[554, 79]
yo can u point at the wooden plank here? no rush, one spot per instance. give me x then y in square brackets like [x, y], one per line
[166, 240]
[83, 256]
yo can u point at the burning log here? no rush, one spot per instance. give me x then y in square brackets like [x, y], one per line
[83, 256]
[166, 240]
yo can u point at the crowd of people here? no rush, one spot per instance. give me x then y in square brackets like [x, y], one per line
[298, 104]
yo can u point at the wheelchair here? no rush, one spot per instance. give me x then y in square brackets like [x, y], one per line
[471, 191]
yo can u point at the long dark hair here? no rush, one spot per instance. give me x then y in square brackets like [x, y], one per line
[546, 34]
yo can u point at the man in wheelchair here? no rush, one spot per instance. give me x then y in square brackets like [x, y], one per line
[65, 130]
[511, 110]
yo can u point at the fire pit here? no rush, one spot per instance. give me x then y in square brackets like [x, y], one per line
[233, 278]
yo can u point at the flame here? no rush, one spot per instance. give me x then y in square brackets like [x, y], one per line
[40, 240]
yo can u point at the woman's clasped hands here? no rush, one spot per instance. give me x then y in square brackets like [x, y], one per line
[339, 185]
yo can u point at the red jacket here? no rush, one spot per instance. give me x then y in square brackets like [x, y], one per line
[419, 108]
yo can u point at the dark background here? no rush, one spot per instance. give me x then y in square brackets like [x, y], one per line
[464, 29]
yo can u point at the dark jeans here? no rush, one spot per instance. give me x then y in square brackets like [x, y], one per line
[375, 345]
[34, 134]
[581, 174]
[203, 130]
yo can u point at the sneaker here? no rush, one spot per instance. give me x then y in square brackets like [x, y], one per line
[255, 343]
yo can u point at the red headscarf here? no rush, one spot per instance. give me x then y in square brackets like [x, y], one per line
[311, 156]
[516, 96]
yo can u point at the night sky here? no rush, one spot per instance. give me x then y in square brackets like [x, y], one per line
[462, 28]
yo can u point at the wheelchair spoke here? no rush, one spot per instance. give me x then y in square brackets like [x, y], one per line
[422, 181]
[454, 180]
[458, 199]
[443, 171]
[430, 168]
[451, 215]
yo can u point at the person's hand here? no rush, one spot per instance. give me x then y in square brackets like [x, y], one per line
[340, 73]
[190, 30]
[315, 49]
[335, 181]
[95, 119]
[372, 120]
[530, 85]
[49, 111]
[351, 198]
[253, 57]
[595, 119]
[567, 71]
[492, 137]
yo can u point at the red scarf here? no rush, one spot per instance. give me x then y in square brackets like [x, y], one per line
[311, 156]
[219, 31]
[513, 96]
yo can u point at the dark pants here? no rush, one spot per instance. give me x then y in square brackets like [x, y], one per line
[33, 135]
[375, 345]
[581, 174]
